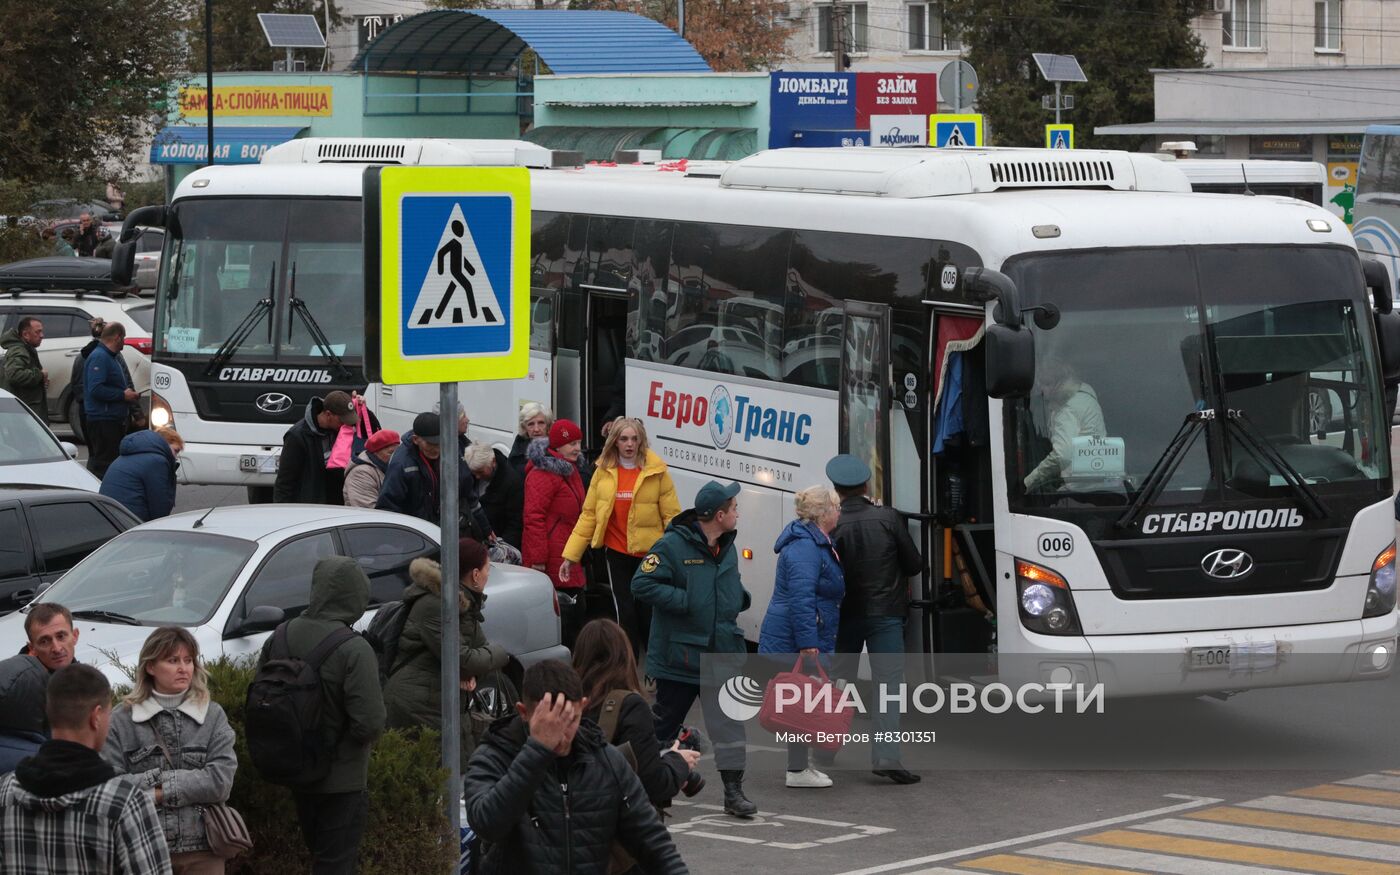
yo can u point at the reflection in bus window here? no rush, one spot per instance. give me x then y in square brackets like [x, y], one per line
[326, 263]
[646, 309]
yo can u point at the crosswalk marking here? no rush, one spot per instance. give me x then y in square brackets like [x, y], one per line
[1374, 782]
[1299, 823]
[1214, 850]
[1322, 808]
[1014, 865]
[1338, 793]
[1147, 861]
[1275, 839]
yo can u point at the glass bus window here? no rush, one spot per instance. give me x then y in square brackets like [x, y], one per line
[542, 319]
[1379, 171]
[324, 249]
[551, 259]
[609, 252]
[728, 283]
[647, 292]
[864, 378]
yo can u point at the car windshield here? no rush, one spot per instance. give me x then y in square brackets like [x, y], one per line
[1150, 337]
[230, 254]
[23, 439]
[144, 315]
[155, 577]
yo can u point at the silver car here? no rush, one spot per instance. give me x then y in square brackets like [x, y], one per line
[230, 575]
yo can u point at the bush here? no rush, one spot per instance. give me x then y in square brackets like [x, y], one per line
[406, 831]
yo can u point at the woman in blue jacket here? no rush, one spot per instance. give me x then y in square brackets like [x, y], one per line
[143, 476]
[806, 605]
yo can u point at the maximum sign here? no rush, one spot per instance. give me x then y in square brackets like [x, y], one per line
[446, 273]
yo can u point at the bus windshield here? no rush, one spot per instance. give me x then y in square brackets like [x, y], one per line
[228, 255]
[1153, 343]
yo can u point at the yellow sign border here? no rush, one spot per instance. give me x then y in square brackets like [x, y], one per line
[396, 182]
[1050, 132]
[974, 117]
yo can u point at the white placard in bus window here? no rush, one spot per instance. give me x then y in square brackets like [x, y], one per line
[1099, 458]
[182, 339]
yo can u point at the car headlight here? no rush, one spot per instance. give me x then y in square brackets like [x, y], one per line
[1046, 605]
[1380, 593]
[161, 414]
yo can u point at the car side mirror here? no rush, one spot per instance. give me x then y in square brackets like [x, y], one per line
[263, 618]
[1388, 341]
[70, 449]
[1010, 361]
[1379, 283]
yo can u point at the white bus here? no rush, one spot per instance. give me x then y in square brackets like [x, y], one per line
[919, 292]
[1304, 180]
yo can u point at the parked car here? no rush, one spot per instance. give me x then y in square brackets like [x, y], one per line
[31, 453]
[44, 531]
[231, 574]
[59, 209]
[67, 318]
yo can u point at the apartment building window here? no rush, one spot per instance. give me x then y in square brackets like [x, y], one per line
[857, 28]
[927, 30]
[1327, 25]
[1242, 25]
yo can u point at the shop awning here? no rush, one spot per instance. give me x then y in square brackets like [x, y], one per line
[601, 143]
[188, 144]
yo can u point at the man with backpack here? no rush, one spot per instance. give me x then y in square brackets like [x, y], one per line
[547, 794]
[318, 741]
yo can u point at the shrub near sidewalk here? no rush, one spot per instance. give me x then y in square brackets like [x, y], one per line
[406, 830]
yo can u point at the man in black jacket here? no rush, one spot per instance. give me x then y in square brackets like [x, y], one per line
[547, 794]
[23, 679]
[878, 557]
[302, 475]
[500, 490]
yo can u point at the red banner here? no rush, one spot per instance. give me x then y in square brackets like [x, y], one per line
[894, 94]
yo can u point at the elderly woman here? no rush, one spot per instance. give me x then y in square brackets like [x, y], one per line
[169, 732]
[806, 605]
[499, 489]
[535, 420]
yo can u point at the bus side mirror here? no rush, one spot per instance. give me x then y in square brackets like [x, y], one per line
[1010, 362]
[984, 284]
[1378, 282]
[1388, 340]
[124, 263]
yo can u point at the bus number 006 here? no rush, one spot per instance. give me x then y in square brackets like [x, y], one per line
[1054, 544]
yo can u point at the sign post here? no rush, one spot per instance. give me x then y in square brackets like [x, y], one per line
[447, 300]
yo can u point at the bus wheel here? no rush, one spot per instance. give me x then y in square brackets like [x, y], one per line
[260, 495]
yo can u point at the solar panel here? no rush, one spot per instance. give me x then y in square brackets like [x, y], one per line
[291, 31]
[1059, 68]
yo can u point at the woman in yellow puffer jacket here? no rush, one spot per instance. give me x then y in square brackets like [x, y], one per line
[630, 502]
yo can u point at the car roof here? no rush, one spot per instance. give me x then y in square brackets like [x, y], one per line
[31, 491]
[254, 522]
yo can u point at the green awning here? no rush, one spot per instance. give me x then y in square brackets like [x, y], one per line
[600, 144]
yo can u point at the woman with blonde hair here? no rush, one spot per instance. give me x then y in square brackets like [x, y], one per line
[630, 501]
[169, 732]
[806, 606]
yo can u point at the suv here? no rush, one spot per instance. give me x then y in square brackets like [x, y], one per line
[44, 531]
[67, 318]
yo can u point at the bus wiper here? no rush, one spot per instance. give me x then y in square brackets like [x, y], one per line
[313, 328]
[1266, 453]
[109, 616]
[1166, 466]
[235, 340]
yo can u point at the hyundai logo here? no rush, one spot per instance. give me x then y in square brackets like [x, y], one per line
[1227, 564]
[274, 403]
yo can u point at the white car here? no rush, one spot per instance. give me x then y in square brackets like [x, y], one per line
[231, 574]
[31, 453]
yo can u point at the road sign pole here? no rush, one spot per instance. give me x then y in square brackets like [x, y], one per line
[449, 459]
[1057, 103]
[957, 74]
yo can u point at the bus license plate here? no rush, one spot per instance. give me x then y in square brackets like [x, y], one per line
[259, 464]
[1208, 657]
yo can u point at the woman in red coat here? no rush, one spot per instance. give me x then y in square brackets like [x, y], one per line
[554, 496]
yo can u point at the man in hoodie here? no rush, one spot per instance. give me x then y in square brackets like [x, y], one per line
[23, 678]
[365, 479]
[107, 398]
[411, 485]
[549, 794]
[65, 809]
[22, 374]
[691, 580]
[143, 476]
[1074, 412]
[332, 811]
[302, 475]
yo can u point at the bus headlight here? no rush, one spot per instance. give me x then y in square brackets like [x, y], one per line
[1046, 605]
[161, 414]
[1380, 594]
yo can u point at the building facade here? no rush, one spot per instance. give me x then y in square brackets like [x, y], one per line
[883, 35]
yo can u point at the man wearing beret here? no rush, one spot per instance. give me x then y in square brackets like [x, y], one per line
[691, 580]
[878, 557]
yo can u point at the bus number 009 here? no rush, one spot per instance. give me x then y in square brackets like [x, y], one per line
[1055, 544]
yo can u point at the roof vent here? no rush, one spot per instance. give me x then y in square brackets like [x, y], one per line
[1077, 171]
[342, 150]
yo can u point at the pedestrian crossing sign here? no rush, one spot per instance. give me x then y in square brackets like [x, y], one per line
[446, 273]
[963, 129]
[1059, 136]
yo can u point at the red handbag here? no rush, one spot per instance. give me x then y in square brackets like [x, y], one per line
[816, 713]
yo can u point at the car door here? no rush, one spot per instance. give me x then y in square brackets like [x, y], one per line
[66, 332]
[19, 578]
[282, 581]
[385, 552]
[65, 531]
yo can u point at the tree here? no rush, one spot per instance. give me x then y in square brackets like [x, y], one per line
[239, 41]
[1117, 42]
[80, 89]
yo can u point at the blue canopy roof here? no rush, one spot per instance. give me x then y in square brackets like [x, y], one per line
[567, 40]
[233, 144]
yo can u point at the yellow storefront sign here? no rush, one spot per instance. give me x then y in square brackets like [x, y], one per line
[261, 100]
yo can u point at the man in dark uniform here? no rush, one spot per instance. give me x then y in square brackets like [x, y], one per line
[878, 557]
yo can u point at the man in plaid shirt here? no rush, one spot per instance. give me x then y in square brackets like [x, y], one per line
[64, 809]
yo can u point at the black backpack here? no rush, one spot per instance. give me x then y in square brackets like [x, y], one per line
[384, 632]
[283, 717]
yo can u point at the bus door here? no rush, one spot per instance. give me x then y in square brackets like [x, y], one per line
[865, 374]
[608, 268]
